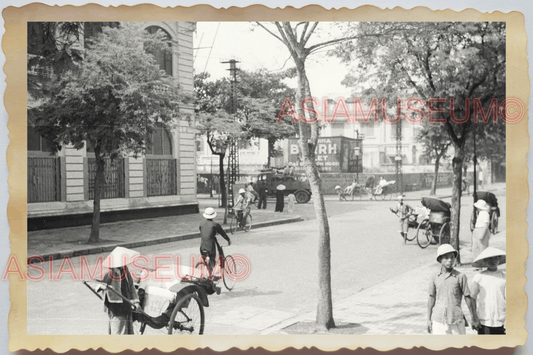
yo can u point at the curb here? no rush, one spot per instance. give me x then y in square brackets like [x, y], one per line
[32, 259]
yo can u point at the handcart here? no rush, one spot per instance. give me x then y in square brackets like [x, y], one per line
[436, 227]
[492, 201]
[173, 307]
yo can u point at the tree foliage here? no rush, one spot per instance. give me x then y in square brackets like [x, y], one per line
[460, 60]
[113, 98]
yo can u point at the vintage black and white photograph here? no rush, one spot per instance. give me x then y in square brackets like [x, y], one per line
[266, 178]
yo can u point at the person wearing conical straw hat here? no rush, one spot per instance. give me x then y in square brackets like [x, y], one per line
[119, 277]
[481, 233]
[447, 288]
[488, 291]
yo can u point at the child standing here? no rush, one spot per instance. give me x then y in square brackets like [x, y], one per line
[446, 290]
[488, 292]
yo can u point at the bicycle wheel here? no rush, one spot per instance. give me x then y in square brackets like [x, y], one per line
[383, 193]
[188, 316]
[423, 235]
[444, 234]
[229, 276]
[248, 224]
[233, 224]
[494, 223]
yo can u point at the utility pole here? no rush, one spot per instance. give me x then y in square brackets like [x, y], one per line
[398, 158]
[233, 158]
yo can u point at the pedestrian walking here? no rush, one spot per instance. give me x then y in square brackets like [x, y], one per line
[242, 206]
[280, 198]
[369, 186]
[403, 211]
[488, 292]
[263, 191]
[338, 190]
[251, 190]
[481, 233]
[208, 241]
[119, 278]
[481, 177]
[291, 199]
[447, 288]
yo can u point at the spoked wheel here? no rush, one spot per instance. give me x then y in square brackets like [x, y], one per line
[444, 234]
[494, 223]
[230, 272]
[423, 235]
[233, 224]
[411, 232]
[248, 224]
[187, 317]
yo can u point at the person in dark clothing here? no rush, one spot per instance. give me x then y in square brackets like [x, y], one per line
[209, 244]
[369, 186]
[119, 278]
[280, 203]
[262, 195]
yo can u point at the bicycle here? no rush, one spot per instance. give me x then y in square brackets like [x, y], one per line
[235, 222]
[357, 192]
[412, 226]
[228, 268]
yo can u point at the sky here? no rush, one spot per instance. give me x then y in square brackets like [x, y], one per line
[254, 48]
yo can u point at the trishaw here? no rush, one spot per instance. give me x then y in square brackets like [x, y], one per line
[492, 201]
[169, 304]
[436, 227]
[385, 191]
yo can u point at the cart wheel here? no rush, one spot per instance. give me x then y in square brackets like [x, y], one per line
[187, 317]
[233, 224]
[444, 233]
[494, 223]
[411, 232]
[248, 224]
[230, 272]
[423, 234]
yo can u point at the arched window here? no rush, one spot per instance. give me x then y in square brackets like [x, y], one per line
[163, 58]
[160, 142]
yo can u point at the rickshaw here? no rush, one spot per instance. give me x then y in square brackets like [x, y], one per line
[436, 227]
[492, 201]
[385, 191]
[173, 306]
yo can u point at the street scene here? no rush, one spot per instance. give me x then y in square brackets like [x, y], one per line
[351, 181]
[279, 295]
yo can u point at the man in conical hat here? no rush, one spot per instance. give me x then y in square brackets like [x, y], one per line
[488, 292]
[119, 277]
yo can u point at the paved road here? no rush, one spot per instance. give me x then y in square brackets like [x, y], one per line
[366, 251]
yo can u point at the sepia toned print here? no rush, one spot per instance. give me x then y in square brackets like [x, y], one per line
[177, 200]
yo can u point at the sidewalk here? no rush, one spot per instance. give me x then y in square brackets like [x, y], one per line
[396, 306]
[71, 242]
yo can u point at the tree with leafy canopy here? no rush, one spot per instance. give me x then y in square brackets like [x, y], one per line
[461, 62]
[112, 99]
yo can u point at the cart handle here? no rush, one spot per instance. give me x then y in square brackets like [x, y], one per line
[92, 289]
[110, 288]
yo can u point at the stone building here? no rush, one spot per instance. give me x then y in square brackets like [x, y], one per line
[163, 182]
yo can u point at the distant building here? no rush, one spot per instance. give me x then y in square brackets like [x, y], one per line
[60, 186]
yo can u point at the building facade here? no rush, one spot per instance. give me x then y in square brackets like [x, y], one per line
[60, 185]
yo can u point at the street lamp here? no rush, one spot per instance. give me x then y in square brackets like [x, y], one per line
[356, 153]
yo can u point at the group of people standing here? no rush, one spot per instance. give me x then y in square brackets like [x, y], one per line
[485, 297]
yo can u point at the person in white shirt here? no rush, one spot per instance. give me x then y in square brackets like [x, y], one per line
[488, 292]
[481, 233]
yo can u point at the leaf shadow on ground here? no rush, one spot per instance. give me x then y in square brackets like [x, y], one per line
[247, 293]
[341, 328]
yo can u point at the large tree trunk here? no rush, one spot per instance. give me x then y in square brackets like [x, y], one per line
[433, 191]
[457, 166]
[324, 315]
[99, 178]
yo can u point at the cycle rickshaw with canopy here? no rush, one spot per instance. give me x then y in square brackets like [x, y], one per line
[436, 227]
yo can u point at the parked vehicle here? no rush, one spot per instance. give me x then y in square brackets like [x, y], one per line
[294, 184]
